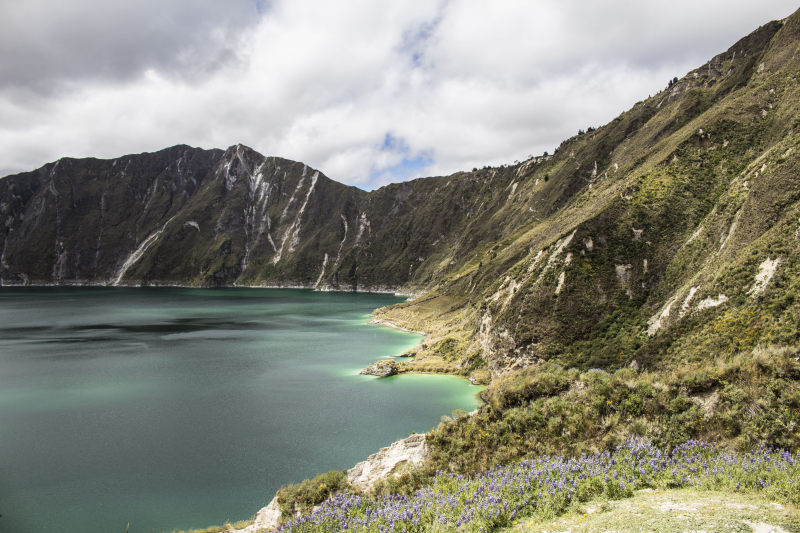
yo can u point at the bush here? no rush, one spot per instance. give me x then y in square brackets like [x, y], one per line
[302, 496]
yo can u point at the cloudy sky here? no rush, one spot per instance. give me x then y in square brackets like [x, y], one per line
[367, 91]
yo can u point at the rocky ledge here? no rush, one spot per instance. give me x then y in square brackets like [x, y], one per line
[388, 461]
[382, 369]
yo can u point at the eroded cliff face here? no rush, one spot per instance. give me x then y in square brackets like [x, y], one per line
[210, 217]
[178, 216]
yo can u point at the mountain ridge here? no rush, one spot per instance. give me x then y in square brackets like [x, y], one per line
[235, 175]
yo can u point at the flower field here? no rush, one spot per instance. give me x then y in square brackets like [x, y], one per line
[549, 485]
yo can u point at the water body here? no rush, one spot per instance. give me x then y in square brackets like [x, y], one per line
[178, 408]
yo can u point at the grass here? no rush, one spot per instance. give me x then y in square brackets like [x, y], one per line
[672, 510]
[302, 497]
[742, 400]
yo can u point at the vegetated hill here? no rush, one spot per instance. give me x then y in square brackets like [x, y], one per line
[675, 228]
[643, 282]
[659, 295]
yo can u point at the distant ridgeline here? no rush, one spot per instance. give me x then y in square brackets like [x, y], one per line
[669, 234]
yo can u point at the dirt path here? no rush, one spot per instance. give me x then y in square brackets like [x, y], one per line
[674, 511]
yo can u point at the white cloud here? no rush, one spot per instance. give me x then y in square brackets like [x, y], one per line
[457, 84]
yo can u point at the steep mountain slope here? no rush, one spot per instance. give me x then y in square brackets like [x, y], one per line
[181, 215]
[658, 300]
[675, 229]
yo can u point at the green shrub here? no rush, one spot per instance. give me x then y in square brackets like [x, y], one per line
[301, 497]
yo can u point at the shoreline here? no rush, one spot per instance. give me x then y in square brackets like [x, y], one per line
[268, 517]
[388, 324]
[155, 285]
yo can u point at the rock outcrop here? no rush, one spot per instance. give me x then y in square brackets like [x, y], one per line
[267, 519]
[382, 369]
[388, 461]
[363, 476]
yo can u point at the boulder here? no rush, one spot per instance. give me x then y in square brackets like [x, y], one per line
[382, 369]
[267, 519]
[388, 461]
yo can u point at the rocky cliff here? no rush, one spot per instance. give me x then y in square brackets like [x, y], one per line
[211, 217]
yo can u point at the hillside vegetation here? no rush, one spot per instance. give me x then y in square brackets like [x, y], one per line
[660, 300]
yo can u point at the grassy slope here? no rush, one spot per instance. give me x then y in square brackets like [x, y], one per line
[535, 491]
[673, 511]
[663, 182]
[694, 189]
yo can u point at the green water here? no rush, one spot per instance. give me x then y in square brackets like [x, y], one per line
[178, 408]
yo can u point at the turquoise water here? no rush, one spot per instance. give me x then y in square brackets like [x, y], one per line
[176, 408]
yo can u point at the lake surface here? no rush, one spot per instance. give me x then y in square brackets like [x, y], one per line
[175, 408]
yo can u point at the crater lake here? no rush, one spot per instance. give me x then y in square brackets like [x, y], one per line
[173, 408]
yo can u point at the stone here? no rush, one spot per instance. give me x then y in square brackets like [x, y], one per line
[267, 519]
[382, 369]
[388, 461]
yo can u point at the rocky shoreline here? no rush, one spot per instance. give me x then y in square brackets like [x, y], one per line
[383, 322]
[381, 465]
[381, 369]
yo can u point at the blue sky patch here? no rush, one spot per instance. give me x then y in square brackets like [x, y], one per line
[411, 165]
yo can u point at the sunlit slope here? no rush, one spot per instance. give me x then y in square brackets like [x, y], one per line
[671, 232]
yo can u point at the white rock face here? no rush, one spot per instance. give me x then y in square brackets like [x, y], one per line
[712, 302]
[687, 302]
[381, 465]
[765, 272]
[561, 279]
[561, 244]
[695, 234]
[266, 519]
[363, 476]
[656, 321]
[137, 254]
[623, 273]
[535, 262]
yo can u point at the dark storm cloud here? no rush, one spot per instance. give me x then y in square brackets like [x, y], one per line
[47, 43]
